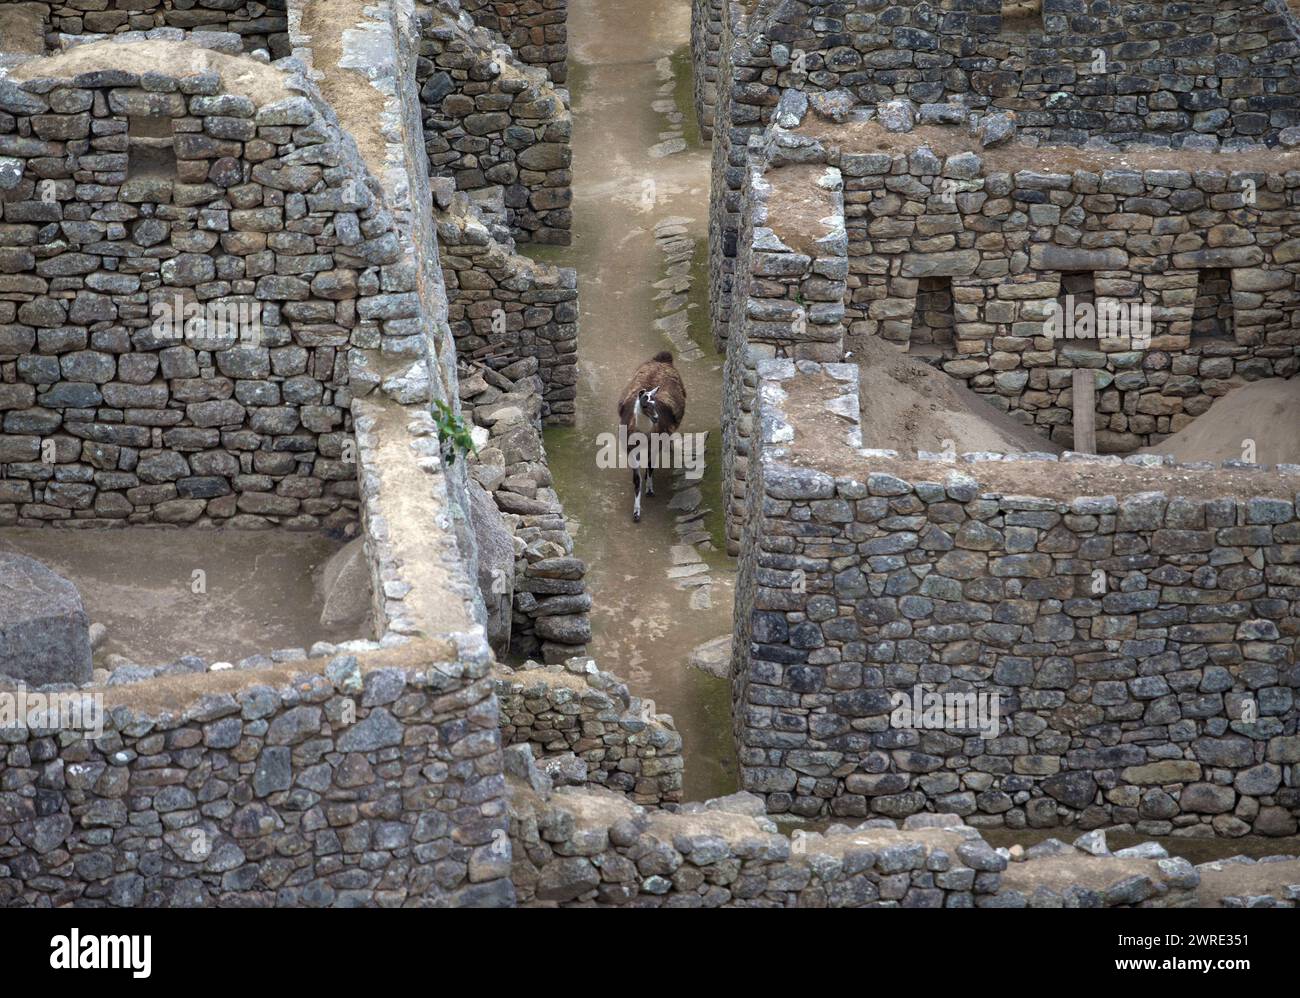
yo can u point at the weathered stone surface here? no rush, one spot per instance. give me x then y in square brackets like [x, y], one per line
[44, 631]
[494, 547]
[345, 585]
[239, 237]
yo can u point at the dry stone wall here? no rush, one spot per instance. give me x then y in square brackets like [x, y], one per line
[1141, 643]
[337, 784]
[491, 121]
[536, 30]
[1198, 74]
[578, 846]
[176, 337]
[589, 724]
[506, 309]
[706, 43]
[288, 781]
[509, 373]
[546, 586]
[727, 167]
[1012, 235]
[1013, 244]
[791, 302]
[1156, 72]
[586, 847]
[260, 23]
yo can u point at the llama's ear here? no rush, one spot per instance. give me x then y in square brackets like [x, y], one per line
[650, 395]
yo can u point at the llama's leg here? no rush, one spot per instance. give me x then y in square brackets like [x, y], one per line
[650, 476]
[636, 491]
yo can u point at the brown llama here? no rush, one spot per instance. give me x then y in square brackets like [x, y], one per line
[652, 407]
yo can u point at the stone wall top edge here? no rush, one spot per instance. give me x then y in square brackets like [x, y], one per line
[830, 145]
[451, 18]
[238, 75]
[1245, 481]
[374, 30]
[463, 214]
[580, 671]
[41, 74]
[577, 674]
[446, 661]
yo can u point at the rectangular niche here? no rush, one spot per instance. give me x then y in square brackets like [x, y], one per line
[932, 322]
[1212, 315]
[1081, 286]
[151, 148]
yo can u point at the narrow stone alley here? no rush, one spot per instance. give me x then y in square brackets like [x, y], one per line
[661, 587]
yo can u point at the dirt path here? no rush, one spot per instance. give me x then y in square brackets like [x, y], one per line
[640, 202]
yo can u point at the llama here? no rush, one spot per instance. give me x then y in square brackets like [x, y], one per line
[654, 402]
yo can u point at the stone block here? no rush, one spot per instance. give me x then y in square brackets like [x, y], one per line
[44, 631]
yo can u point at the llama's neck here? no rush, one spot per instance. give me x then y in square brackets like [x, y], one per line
[641, 423]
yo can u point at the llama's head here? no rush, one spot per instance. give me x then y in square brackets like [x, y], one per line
[646, 399]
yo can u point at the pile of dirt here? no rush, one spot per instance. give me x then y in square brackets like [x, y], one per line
[908, 405]
[1267, 412]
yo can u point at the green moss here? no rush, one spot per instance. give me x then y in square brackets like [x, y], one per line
[684, 95]
[578, 79]
[557, 256]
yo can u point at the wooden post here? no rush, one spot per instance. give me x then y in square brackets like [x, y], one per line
[1085, 411]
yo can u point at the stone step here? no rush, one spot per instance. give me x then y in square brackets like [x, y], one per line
[683, 554]
[700, 599]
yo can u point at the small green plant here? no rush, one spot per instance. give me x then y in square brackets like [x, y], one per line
[453, 432]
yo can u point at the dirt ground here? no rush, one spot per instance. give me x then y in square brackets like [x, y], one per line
[1245, 880]
[1266, 412]
[22, 29]
[256, 588]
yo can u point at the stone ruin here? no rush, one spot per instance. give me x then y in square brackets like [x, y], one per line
[926, 181]
[188, 165]
[369, 190]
